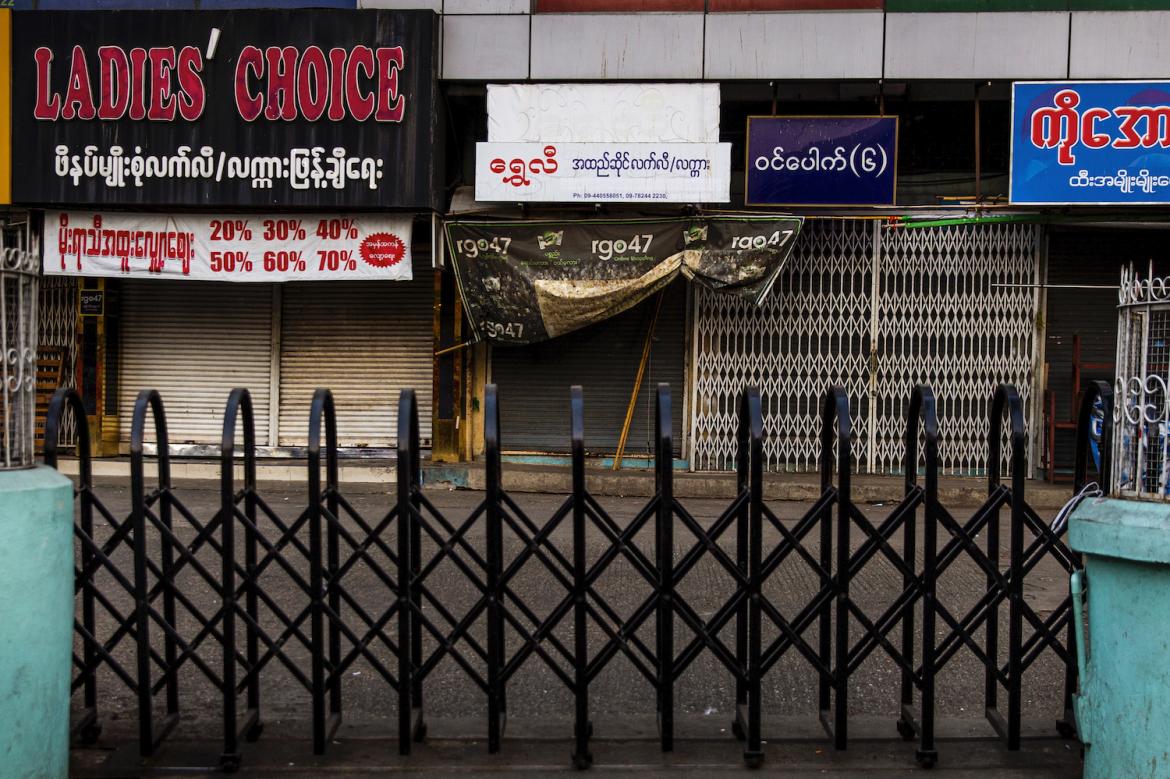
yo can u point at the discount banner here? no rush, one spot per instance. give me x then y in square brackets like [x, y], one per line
[289, 247]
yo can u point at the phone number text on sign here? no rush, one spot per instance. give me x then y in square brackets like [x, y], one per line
[252, 247]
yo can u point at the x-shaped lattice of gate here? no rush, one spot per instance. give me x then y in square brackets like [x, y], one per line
[621, 633]
[1045, 632]
[817, 610]
[96, 560]
[706, 632]
[900, 610]
[533, 631]
[178, 650]
[335, 595]
[448, 630]
[251, 512]
[984, 613]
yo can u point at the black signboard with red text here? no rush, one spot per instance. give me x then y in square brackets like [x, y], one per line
[299, 108]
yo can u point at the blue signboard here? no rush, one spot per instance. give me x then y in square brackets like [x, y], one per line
[821, 160]
[1090, 142]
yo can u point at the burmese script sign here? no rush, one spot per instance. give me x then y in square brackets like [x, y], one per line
[603, 172]
[229, 108]
[1090, 142]
[822, 160]
[524, 282]
[239, 247]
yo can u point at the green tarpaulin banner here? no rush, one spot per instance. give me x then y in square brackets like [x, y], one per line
[524, 282]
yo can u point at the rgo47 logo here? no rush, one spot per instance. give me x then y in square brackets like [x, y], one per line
[609, 248]
[774, 240]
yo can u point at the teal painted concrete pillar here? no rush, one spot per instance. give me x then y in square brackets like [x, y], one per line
[1123, 709]
[36, 622]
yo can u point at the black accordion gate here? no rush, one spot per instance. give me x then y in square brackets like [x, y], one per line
[364, 587]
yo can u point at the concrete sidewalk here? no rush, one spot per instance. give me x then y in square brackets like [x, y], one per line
[629, 482]
[794, 748]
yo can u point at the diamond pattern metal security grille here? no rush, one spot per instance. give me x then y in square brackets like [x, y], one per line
[956, 312]
[876, 310]
[57, 315]
[811, 332]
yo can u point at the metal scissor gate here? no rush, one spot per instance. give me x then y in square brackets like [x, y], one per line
[375, 591]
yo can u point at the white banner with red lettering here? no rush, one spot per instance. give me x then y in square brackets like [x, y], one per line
[603, 172]
[212, 247]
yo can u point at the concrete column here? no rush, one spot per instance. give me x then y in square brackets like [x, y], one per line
[36, 622]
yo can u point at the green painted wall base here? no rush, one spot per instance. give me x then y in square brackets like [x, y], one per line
[1123, 709]
[36, 622]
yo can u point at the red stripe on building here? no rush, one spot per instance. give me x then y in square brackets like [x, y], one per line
[794, 5]
[612, 6]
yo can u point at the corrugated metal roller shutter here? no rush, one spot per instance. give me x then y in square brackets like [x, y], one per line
[194, 341]
[534, 381]
[1090, 257]
[365, 341]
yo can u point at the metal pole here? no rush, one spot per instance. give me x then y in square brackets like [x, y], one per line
[494, 566]
[582, 758]
[665, 549]
[406, 445]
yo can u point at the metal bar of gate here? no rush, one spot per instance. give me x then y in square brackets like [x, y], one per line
[316, 579]
[67, 399]
[227, 508]
[751, 442]
[1006, 401]
[664, 478]
[407, 451]
[149, 400]
[581, 755]
[835, 408]
[922, 414]
[495, 659]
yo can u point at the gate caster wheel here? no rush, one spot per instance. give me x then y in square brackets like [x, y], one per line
[583, 762]
[905, 730]
[753, 760]
[89, 734]
[927, 759]
[1066, 729]
[737, 730]
[229, 764]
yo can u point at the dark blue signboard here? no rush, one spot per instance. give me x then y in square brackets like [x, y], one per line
[1090, 142]
[822, 160]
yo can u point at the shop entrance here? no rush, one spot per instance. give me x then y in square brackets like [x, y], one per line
[195, 341]
[534, 380]
[877, 311]
[1084, 266]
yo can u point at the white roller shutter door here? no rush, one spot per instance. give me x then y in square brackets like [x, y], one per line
[365, 341]
[194, 341]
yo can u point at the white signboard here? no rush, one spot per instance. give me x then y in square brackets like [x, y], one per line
[603, 172]
[242, 247]
[610, 113]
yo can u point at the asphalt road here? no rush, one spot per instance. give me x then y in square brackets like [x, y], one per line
[536, 694]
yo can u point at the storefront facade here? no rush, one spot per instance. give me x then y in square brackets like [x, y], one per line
[988, 291]
[877, 311]
[261, 216]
